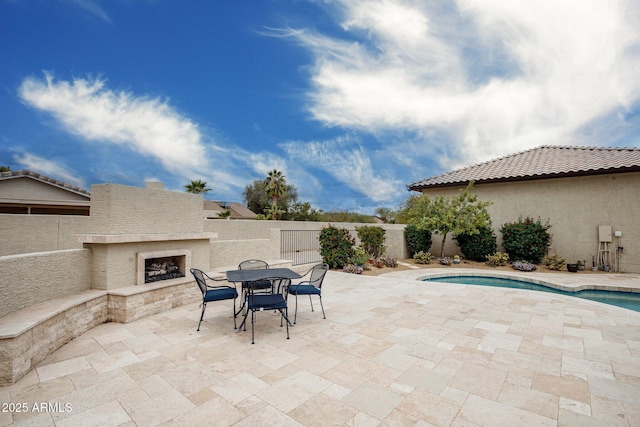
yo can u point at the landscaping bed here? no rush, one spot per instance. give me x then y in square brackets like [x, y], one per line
[375, 271]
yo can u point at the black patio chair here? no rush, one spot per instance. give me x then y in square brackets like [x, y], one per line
[214, 293]
[263, 286]
[313, 286]
[254, 264]
[257, 301]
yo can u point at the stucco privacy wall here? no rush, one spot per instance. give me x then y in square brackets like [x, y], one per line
[21, 234]
[575, 207]
[34, 278]
[238, 239]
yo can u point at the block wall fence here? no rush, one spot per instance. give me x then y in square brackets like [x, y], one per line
[47, 261]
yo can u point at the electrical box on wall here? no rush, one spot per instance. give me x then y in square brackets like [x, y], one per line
[618, 234]
[604, 233]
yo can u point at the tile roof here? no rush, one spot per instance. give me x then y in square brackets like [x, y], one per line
[547, 161]
[238, 211]
[42, 178]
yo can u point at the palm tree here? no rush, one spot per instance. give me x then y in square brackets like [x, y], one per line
[197, 187]
[275, 185]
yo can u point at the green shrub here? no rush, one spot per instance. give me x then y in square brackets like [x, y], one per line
[417, 239]
[526, 240]
[423, 257]
[555, 262]
[477, 247]
[497, 259]
[336, 246]
[372, 239]
[359, 257]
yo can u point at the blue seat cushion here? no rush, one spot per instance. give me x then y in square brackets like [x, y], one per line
[267, 302]
[304, 290]
[220, 294]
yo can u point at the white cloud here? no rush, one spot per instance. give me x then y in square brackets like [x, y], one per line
[85, 107]
[91, 7]
[148, 126]
[346, 160]
[493, 76]
[50, 168]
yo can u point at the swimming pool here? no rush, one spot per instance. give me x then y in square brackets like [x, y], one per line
[627, 300]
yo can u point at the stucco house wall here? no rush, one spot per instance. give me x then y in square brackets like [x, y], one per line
[574, 206]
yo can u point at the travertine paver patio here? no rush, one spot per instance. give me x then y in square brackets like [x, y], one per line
[392, 351]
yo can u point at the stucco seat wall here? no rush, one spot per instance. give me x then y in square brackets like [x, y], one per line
[29, 335]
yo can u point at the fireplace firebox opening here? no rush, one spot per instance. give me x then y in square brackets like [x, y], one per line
[165, 268]
[162, 265]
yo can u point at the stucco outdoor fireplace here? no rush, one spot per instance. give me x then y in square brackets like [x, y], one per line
[145, 239]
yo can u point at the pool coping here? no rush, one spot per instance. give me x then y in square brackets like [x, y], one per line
[567, 282]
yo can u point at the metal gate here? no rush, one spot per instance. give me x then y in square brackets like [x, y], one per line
[300, 246]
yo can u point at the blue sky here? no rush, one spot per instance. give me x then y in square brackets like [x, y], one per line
[351, 99]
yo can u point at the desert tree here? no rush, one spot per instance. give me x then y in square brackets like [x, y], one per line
[459, 214]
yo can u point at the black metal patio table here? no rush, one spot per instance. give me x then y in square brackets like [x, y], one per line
[238, 276]
[252, 275]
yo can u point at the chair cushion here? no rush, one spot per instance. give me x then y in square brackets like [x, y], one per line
[304, 290]
[267, 302]
[220, 294]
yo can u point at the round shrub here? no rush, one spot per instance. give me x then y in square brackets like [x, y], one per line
[423, 257]
[526, 240]
[353, 269]
[418, 240]
[372, 239]
[336, 246]
[359, 257]
[555, 262]
[523, 266]
[497, 260]
[477, 247]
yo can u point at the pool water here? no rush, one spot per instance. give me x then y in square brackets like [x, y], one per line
[627, 300]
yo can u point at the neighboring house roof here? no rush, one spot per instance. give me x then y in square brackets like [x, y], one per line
[547, 161]
[238, 211]
[25, 173]
[27, 192]
[241, 210]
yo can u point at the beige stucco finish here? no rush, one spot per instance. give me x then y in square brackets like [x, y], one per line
[575, 208]
[119, 209]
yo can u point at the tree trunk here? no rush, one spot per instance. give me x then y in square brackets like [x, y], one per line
[274, 203]
[444, 239]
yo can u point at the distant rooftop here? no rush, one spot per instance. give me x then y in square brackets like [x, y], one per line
[238, 211]
[42, 178]
[547, 161]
